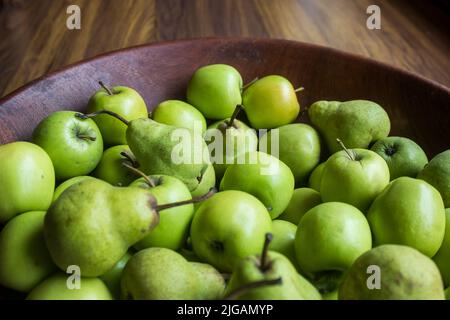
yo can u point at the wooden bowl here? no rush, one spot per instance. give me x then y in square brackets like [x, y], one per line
[418, 108]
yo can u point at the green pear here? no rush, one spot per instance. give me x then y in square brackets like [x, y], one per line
[316, 177]
[408, 212]
[403, 273]
[56, 288]
[265, 177]
[270, 102]
[163, 274]
[178, 113]
[27, 179]
[215, 90]
[265, 268]
[354, 176]
[283, 239]
[442, 257]
[229, 139]
[437, 173]
[228, 227]
[75, 145]
[68, 183]
[357, 123]
[299, 148]
[121, 100]
[112, 277]
[403, 156]
[303, 199]
[24, 259]
[111, 168]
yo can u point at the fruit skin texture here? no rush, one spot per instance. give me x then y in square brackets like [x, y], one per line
[24, 259]
[303, 199]
[408, 212]
[316, 177]
[357, 122]
[270, 102]
[93, 224]
[60, 136]
[112, 277]
[67, 184]
[403, 156]
[228, 227]
[27, 179]
[179, 114]
[356, 182]
[215, 90]
[267, 178]
[161, 274]
[207, 182]
[126, 102]
[283, 239]
[437, 173]
[173, 227]
[55, 288]
[331, 236]
[406, 274]
[299, 149]
[111, 169]
[442, 257]
[447, 293]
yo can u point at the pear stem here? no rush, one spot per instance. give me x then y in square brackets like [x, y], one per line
[263, 262]
[236, 111]
[86, 137]
[147, 179]
[130, 157]
[299, 89]
[108, 90]
[93, 114]
[252, 285]
[245, 86]
[350, 154]
[182, 203]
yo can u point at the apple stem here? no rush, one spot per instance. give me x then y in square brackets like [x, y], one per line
[350, 154]
[111, 113]
[148, 180]
[263, 262]
[299, 89]
[108, 90]
[130, 157]
[252, 285]
[86, 137]
[245, 86]
[182, 203]
[230, 123]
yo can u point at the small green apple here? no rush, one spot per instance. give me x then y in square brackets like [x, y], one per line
[442, 257]
[408, 212]
[303, 199]
[437, 173]
[75, 145]
[403, 156]
[112, 277]
[27, 179]
[68, 183]
[316, 177]
[283, 239]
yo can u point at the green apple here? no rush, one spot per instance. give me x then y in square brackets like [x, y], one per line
[263, 176]
[437, 173]
[215, 90]
[270, 102]
[74, 145]
[124, 101]
[403, 156]
[354, 176]
[68, 183]
[178, 113]
[207, 181]
[409, 212]
[329, 238]
[27, 179]
[55, 288]
[173, 227]
[111, 168]
[302, 200]
[316, 177]
[228, 227]
[283, 239]
[24, 258]
[112, 277]
[442, 257]
[298, 147]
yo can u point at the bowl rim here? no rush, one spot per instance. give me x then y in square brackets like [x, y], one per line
[269, 41]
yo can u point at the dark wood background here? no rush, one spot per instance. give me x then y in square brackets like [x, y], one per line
[34, 39]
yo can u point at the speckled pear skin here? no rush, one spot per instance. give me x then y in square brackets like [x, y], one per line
[406, 274]
[211, 282]
[357, 122]
[153, 144]
[92, 225]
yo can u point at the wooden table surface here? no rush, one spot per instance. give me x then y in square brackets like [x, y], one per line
[34, 39]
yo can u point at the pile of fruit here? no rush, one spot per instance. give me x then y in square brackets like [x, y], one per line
[191, 202]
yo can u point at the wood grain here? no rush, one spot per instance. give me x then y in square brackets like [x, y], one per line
[35, 39]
